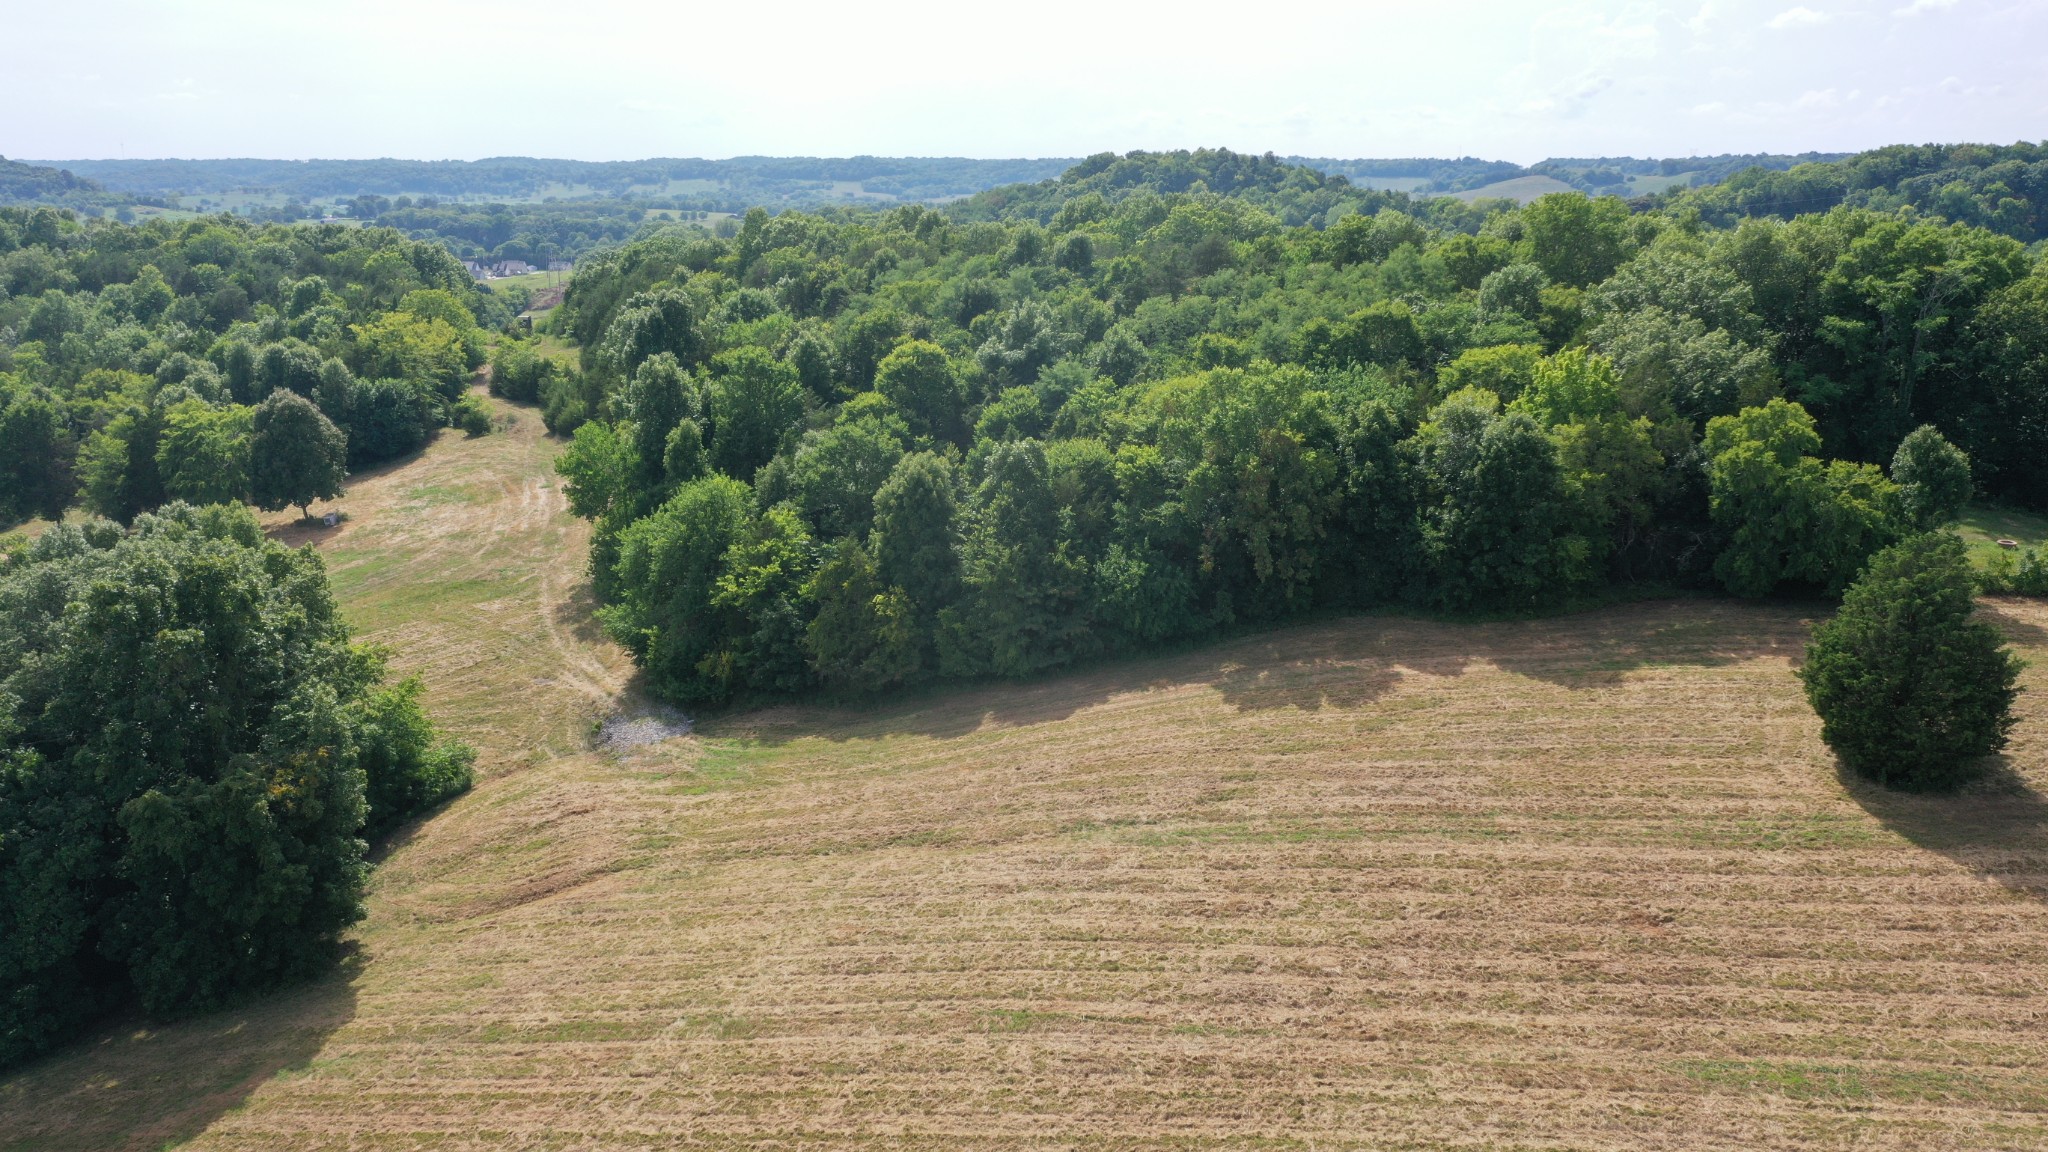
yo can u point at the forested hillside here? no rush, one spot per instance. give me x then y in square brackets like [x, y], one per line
[2000, 188]
[1154, 399]
[136, 362]
[1609, 175]
[1162, 395]
[33, 184]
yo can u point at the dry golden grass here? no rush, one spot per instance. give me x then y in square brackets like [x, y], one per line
[1378, 883]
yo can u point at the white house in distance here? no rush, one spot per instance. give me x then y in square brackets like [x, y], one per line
[486, 270]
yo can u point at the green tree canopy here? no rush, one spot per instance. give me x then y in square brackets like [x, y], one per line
[181, 788]
[1933, 476]
[296, 454]
[1911, 691]
[1785, 515]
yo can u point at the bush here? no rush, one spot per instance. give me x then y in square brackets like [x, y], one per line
[1910, 690]
[563, 406]
[184, 738]
[519, 373]
[471, 415]
[1933, 476]
[2022, 575]
[407, 769]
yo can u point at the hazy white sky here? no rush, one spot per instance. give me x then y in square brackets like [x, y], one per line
[622, 79]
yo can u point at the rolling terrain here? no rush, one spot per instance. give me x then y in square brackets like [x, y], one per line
[1588, 882]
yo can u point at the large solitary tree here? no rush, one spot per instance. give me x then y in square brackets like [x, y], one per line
[1912, 692]
[296, 454]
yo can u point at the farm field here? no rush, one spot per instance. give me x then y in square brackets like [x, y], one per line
[1589, 882]
[531, 281]
[1521, 189]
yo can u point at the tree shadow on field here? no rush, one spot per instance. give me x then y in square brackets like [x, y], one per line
[296, 532]
[2007, 615]
[1339, 662]
[1352, 662]
[1996, 826]
[576, 614]
[142, 1085]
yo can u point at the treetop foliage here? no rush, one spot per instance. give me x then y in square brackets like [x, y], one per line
[1911, 691]
[1159, 408]
[190, 750]
[132, 357]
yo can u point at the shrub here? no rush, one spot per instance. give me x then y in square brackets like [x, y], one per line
[407, 768]
[518, 372]
[563, 405]
[1933, 476]
[2022, 575]
[471, 415]
[1909, 689]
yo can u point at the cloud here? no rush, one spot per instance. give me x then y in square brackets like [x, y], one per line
[1918, 7]
[1799, 18]
[1704, 17]
[1826, 98]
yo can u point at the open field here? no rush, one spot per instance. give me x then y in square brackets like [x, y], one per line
[1585, 883]
[1521, 189]
[1645, 185]
[1983, 525]
[532, 281]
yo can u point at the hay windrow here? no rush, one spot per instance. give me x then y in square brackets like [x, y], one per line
[1374, 883]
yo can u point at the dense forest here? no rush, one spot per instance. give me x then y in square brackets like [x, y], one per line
[1596, 175]
[192, 754]
[2000, 188]
[136, 361]
[1169, 394]
[34, 184]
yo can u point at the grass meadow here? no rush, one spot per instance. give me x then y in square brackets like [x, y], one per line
[1586, 882]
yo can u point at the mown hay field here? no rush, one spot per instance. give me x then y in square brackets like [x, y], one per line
[1589, 882]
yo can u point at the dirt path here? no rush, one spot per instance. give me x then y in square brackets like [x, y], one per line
[466, 563]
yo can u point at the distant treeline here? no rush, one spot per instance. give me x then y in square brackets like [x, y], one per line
[2002, 188]
[743, 180]
[33, 184]
[1588, 174]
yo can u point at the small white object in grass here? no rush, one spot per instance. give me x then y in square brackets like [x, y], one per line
[2008, 543]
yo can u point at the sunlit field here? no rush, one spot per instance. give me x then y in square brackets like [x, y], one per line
[1586, 882]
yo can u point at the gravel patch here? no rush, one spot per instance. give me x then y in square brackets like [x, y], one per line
[622, 731]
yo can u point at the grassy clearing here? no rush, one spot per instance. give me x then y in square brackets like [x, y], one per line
[1521, 189]
[531, 281]
[1983, 525]
[1649, 184]
[1588, 882]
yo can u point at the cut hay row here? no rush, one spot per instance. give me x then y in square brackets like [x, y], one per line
[1589, 882]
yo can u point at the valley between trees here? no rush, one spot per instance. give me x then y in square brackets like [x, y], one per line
[1589, 881]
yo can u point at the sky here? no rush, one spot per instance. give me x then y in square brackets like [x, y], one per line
[626, 79]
